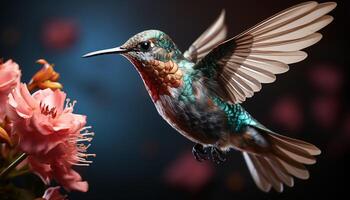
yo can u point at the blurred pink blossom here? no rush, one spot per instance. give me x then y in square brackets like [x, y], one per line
[49, 132]
[325, 111]
[59, 34]
[187, 173]
[326, 78]
[287, 113]
[9, 78]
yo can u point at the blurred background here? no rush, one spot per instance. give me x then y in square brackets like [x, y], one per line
[138, 154]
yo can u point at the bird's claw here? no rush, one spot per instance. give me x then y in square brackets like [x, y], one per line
[208, 153]
[200, 153]
[217, 156]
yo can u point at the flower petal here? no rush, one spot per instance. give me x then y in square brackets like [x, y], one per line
[27, 96]
[22, 108]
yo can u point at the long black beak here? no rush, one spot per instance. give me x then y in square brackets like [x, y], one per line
[116, 50]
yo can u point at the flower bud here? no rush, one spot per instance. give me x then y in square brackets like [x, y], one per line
[4, 136]
[46, 77]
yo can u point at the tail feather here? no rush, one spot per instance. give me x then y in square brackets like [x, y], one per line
[281, 172]
[271, 175]
[282, 162]
[296, 169]
[310, 148]
[296, 153]
[257, 172]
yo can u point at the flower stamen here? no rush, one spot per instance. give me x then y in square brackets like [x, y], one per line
[44, 109]
[79, 140]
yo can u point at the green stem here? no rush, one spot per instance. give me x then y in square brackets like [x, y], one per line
[16, 162]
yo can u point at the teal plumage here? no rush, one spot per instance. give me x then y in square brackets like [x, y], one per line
[237, 117]
[199, 92]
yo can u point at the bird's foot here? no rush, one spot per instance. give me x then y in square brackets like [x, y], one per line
[200, 153]
[217, 156]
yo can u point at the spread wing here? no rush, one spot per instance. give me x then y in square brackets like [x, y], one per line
[209, 39]
[240, 64]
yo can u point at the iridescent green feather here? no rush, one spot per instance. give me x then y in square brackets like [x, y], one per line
[237, 117]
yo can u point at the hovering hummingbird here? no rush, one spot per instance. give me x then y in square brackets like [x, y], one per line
[199, 92]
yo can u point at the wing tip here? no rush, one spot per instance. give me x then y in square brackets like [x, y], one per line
[314, 39]
[330, 4]
[304, 55]
[222, 15]
[318, 36]
[329, 18]
[223, 12]
[316, 151]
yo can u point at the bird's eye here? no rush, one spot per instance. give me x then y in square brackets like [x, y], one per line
[145, 46]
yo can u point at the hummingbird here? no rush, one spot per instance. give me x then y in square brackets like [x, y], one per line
[199, 92]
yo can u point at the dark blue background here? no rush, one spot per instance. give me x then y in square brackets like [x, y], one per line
[127, 126]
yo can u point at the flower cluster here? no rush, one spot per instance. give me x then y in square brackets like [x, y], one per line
[44, 126]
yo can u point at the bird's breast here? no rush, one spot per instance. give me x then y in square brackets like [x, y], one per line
[193, 114]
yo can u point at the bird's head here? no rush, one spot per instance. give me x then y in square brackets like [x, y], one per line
[145, 47]
[154, 55]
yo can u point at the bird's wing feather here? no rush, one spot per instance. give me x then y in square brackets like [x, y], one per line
[209, 39]
[240, 64]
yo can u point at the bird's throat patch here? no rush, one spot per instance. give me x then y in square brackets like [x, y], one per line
[161, 76]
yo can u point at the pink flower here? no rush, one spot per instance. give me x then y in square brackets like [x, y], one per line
[188, 174]
[287, 113]
[41, 120]
[327, 78]
[50, 133]
[53, 193]
[325, 111]
[59, 33]
[9, 78]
